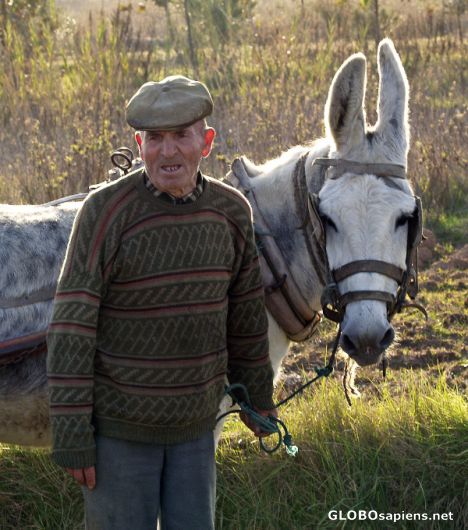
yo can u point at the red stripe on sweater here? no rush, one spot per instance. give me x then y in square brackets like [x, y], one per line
[65, 327]
[232, 192]
[246, 339]
[59, 380]
[70, 410]
[79, 296]
[146, 390]
[161, 219]
[146, 312]
[119, 201]
[139, 362]
[184, 275]
[242, 360]
[250, 266]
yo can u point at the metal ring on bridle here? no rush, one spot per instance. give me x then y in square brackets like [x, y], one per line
[126, 154]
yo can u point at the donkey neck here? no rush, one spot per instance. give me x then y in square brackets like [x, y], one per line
[275, 195]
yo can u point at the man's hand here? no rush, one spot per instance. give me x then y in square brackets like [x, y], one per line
[86, 476]
[254, 427]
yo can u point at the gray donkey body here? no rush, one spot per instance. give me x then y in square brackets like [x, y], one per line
[33, 243]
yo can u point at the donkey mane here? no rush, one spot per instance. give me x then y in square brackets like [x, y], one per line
[287, 159]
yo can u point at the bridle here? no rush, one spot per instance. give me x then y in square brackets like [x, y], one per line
[333, 302]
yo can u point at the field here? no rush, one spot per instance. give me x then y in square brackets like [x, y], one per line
[401, 448]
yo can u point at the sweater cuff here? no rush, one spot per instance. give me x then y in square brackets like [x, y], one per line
[75, 459]
[262, 401]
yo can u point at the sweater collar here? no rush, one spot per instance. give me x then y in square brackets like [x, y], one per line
[192, 196]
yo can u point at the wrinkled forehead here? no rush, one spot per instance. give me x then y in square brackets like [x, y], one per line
[365, 193]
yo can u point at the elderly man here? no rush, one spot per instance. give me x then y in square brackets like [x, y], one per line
[159, 299]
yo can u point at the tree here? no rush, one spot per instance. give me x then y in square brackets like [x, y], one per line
[165, 4]
[191, 44]
[207, 21]
[375, 5]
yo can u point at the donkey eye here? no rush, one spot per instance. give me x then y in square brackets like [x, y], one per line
[327, 221]
[401, 221]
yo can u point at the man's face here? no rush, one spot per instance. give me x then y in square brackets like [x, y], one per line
[172, 157]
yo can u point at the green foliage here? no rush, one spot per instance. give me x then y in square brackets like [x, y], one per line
[63, 88]
[401, 451]
[450, 227]
[19, 13]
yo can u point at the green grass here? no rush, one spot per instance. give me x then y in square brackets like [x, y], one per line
[35, 494]
[450, 227]
[403, 450]
[396, 453]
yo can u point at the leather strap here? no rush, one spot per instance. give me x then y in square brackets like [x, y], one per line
[356, 296]
[26, 342]
[283, 297]
[21, 353]
[40, 295]
[341, 166]
[69, 198]
[369, 265]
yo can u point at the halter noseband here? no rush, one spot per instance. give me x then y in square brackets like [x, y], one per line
[334, 303]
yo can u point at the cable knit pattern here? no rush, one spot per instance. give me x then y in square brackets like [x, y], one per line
[156, 304]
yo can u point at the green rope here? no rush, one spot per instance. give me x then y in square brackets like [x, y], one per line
[270, 424]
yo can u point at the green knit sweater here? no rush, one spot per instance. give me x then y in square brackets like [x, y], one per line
[156, 305]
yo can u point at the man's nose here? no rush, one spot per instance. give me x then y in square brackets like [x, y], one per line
[169, 147]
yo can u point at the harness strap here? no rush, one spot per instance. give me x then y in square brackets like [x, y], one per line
[311, 223]
[341, 166]
[22, 353]
[356, 296]
[69, 198]
[369, 265]
[40, 295]
[283, 297]
[25, 342]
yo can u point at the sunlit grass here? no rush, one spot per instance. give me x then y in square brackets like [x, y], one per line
[403, 450]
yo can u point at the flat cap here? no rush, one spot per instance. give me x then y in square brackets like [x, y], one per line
[170, 104]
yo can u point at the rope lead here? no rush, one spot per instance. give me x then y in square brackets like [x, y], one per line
[268, 424]
[271, 424]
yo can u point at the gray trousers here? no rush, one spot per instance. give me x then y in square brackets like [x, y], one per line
[136, 481]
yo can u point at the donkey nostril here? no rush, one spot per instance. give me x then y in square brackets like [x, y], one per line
[387, 338]
[347, 344]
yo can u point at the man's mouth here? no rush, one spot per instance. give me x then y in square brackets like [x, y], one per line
[171, 169]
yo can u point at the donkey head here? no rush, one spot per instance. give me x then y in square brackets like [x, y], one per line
[366, 211]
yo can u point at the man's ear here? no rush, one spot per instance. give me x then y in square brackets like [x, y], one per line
[210, 134]
[138, 139]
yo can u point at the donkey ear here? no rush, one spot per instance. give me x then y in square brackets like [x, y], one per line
[344, 111]
[392, 120]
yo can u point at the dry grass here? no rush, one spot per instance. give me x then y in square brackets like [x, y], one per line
[63, 89]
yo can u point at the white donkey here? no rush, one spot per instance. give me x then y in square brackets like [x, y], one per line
[367, 206]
